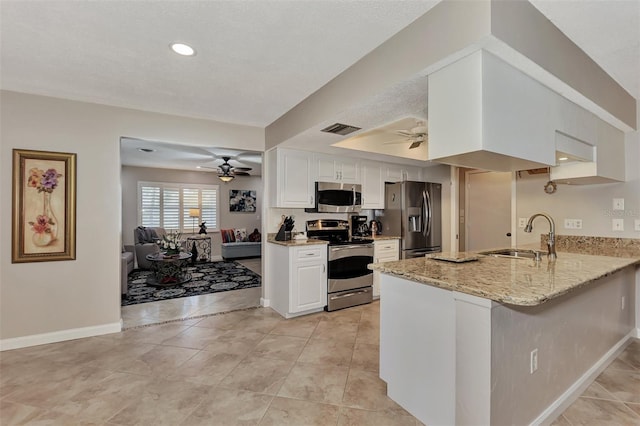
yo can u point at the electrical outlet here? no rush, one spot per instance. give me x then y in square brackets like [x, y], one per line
[622, 304]
[618, 203]
[533, 364]
[573, 224]
[617, 224]
[637, 224]
[522, 222]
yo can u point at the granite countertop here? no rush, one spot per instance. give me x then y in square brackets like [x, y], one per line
[384, 237]
[511, 281]
[293, 243]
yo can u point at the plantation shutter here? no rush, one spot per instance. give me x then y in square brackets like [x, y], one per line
[150, 209]
[190, 200]
[209, 209]
[167, 205]
[171, 209]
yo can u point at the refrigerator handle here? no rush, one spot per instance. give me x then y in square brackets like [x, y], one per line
[429, 218]
[424, 214]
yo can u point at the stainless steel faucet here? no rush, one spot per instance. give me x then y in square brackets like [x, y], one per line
[551, 242]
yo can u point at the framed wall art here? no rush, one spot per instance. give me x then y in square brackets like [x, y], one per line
[241, 200]
[44, 206]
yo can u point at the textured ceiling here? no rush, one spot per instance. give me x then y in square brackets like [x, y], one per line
[255, 59]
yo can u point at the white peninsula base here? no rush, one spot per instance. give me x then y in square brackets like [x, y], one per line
[454, 359]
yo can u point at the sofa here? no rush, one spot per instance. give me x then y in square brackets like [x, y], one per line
[236, 244]
[144, 239]
[127, 259]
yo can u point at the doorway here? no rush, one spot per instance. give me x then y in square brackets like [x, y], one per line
[488, 218]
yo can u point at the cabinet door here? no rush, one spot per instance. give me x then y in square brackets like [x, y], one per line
[412, 173]
[393, 173]
[383, 251]
[295, 186]
[326, 169]
[310, 288]
[349, 171]
[372, 186]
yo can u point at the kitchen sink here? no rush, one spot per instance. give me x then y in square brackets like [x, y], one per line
[514, 253]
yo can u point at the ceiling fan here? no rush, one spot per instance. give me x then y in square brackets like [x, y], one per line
[416, 135]
[227, 172]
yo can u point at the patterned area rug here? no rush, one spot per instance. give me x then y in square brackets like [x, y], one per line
[208, 277]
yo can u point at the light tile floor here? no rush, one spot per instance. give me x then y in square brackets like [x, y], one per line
[244, 367]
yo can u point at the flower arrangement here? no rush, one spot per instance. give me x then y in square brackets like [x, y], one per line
[170, 243]
[45, 226]
[43, 181]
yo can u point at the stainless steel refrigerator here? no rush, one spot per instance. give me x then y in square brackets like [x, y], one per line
[413, 211]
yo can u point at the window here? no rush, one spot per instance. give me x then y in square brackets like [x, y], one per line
[167, 205]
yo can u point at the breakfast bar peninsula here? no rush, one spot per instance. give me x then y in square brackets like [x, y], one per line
[500, 340]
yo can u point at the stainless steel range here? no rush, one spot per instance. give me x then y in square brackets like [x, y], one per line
[349, 280]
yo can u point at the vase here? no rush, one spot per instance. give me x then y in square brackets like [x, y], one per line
[43, 239]
[53, 220]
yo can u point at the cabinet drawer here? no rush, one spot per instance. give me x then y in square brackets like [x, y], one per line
[311, 252]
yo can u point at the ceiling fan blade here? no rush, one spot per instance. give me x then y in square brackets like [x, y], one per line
[241, 173]
[242, 169]
[406, 133]
[415, 144]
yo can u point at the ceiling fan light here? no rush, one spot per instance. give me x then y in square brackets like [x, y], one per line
[226, 178]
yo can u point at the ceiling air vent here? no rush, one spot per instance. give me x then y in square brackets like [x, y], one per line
[340, 129]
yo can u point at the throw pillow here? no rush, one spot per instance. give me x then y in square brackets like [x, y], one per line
[255, 236]
[227, 235]
[145, 235]
[241, 234]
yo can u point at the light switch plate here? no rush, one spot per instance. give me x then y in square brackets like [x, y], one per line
[618, 203]
[617, 224]
[522, 222]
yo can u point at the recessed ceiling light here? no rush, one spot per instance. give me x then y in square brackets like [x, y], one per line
[183, 49]
[146, 149]
[563, 158]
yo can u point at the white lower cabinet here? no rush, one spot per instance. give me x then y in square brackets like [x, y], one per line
[383, 251]
[298, 278]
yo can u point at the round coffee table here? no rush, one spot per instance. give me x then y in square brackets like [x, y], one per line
[168, 270]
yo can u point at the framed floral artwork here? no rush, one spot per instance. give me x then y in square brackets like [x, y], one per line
[44, 206]
[241, 200]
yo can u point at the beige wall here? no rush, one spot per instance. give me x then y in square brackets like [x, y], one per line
[132, 175]
[50, 301]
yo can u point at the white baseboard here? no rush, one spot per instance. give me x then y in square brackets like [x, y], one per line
[59, 336]
[217, 258]
[580, 385]
[265, 302]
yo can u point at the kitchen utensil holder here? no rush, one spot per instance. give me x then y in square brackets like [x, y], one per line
[283, 235]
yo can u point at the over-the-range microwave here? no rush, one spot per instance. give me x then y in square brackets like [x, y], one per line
[334, 197]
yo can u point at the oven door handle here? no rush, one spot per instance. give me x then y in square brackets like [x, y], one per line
[353, 293]
[351, 247]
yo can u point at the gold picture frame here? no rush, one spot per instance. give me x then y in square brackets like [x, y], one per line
[44, 206]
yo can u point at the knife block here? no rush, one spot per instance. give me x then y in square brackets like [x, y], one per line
[283, 235]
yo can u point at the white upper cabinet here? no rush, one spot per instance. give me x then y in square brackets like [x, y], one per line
[401, 173]
[372, 185]
[292, 183]
[331, 169]
[483, 113]
[486, 114]
[599, 159]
